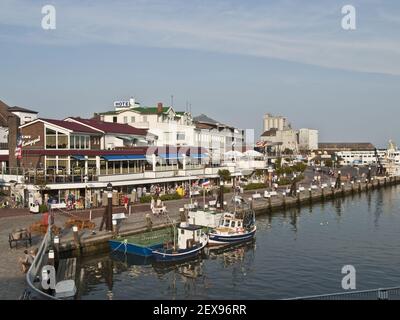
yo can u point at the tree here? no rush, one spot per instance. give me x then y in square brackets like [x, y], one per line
[224, 174]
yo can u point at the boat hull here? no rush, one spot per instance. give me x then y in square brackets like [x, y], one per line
[164, 257]
[216, 239]
[131, 248]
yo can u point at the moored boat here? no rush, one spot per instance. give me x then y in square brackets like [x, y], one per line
[235, 227]
[191, 242]
[142, 244]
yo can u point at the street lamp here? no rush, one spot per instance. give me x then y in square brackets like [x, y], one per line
[109, 207]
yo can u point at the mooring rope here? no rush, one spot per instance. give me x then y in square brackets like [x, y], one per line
[125, 243]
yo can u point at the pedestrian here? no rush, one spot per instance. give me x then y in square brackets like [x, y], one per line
[126, 202]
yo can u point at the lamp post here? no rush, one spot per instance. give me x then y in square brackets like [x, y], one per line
[109, 207]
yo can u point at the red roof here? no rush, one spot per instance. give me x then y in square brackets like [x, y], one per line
[76, 127]
[111, 127]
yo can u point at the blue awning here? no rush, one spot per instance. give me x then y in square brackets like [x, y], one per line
[79, 158]
[199, 155]
[125, 157]
[170, 156]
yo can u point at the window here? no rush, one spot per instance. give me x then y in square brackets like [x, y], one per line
[115, 119]
[182, 231]
[227, 222]
[125, 119]
[51, 138]
[233, 224]
[180, 136]
[144, 118]
[132, 119]
[62, 141]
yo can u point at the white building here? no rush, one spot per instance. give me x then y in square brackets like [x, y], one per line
[281, 140]
[24, 115]
[308, 139]
[275, 122]
[366, 157]
[171, 127]
[217, 137]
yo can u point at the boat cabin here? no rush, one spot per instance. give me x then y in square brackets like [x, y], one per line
[188, 235]
[231, 223]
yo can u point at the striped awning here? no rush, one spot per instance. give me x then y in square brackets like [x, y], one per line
[124, 157]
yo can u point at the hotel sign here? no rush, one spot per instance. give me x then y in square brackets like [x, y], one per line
[28, 141]
[122, 104]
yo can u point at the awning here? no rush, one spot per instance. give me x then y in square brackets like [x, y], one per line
[79, 158]
[124, 157]
[199, 155]
[170, 156]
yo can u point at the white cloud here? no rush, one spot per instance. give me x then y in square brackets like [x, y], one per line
[286, 30]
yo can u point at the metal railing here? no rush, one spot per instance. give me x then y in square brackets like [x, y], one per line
[373, 294]
[32, 276]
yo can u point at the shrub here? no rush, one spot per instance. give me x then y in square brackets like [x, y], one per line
[145, 199]
[285, 181]
[174, 196]
[224, 174]
[253, 186]
[43, 208]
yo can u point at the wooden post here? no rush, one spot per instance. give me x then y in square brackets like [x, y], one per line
[352, 187]
[298, 197]
[310, 194]
[343, 189]
[56, 242]
[322, 194]
[384, 182]
[115, 227]
[284, 200]
[50, 260]
[269, 203]
[76, 237]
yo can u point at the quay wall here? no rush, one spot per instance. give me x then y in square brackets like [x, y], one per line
[95, 244]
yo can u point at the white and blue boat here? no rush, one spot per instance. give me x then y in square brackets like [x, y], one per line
[191, 242]
[235, 227]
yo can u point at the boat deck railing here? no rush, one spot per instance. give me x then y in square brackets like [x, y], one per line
[392, 293]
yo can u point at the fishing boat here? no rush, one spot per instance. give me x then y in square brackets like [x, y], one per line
[142, 244]
[191, 242]
[236, 226]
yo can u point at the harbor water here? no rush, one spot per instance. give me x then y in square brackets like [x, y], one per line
[298, 252]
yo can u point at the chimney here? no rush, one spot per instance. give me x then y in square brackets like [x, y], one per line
[159, 107]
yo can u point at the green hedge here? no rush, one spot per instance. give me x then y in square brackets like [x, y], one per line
[174, 196]
[145, 199]
[286, 181]
[253, 186]
[43, 208]
[165, 197]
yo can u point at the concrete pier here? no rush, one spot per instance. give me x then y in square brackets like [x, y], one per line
[89, 243]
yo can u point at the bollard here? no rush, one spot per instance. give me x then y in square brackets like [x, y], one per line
[182, 214]
[269, 202]
[56, 242]
[50, 260]
[149, 223]
[114, 226]
[76, 238]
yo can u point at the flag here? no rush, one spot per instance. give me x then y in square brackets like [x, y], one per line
[205, 183]
[18, 149]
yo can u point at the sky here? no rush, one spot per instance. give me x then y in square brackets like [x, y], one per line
[232, 60]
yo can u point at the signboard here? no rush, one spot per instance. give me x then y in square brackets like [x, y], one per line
[122, 104]
[28, 141]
